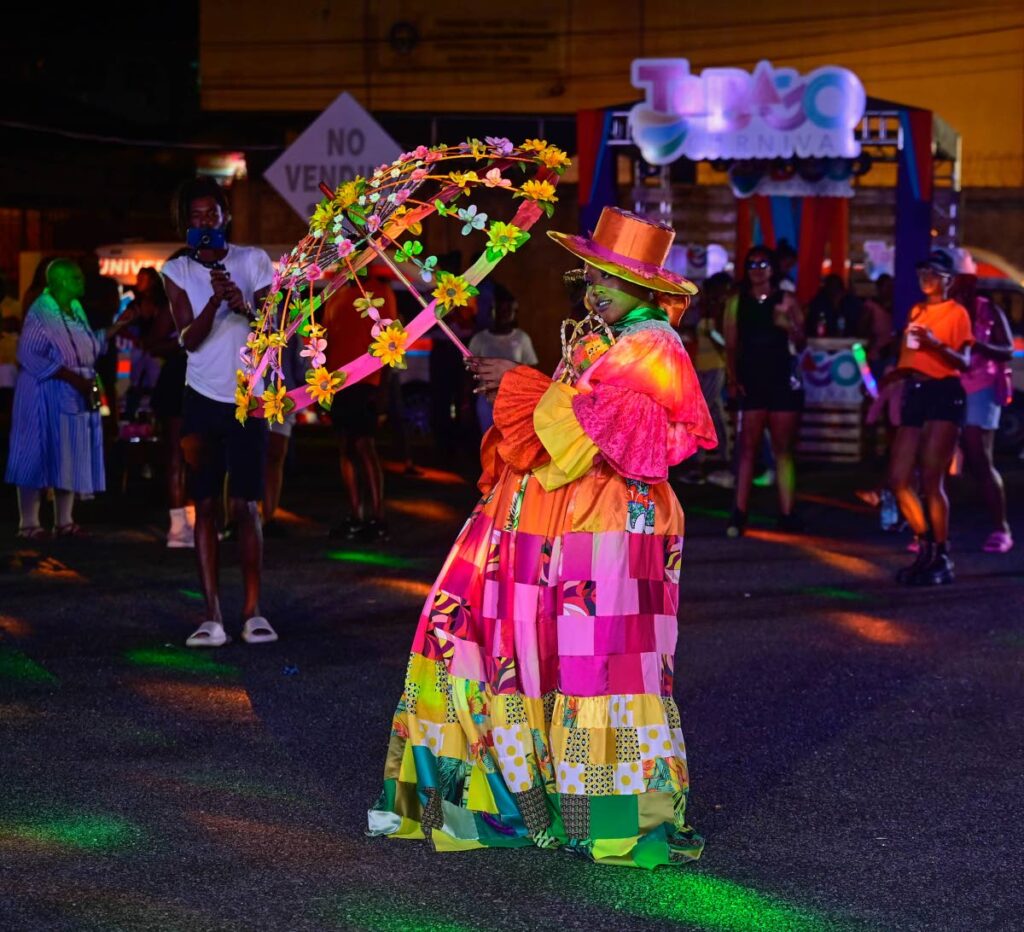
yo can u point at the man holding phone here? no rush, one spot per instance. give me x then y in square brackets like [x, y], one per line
[213, 291]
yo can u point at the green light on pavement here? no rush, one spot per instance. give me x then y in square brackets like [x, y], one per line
[14, 665]
[86, 832]
[706, 902]
[390, 916]
[831, 593]
[369, 558]
[193, 594]
[180, 660]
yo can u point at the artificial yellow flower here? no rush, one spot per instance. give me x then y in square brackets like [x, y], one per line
[477, 149]
[504, 238]
[389, 347]
[554, 157]
[277, 340]
[315, 332]
[367, 303]
[325, 212]
[538, 191]
[534, 145]
[452, 290]
[463, 180]
[273, 403]
[348, 193]
[242, 399]
[323, 385]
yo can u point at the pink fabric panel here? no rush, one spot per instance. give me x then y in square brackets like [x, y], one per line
[577, 556]
[611, 553]
[504, 643]
[666, 633]
[616, 594]
[466, 660]
[490, 598]
[525, 602]
[585, 676]
[646, 556]
[638, 631]
[526, 658]
[575, 636]
[650, 673]
[625, 673]
[610, 634]
[629, 428]
[651, 596]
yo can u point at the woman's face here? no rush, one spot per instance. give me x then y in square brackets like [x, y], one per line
[932, 283]
[759, 270]
[611, 297]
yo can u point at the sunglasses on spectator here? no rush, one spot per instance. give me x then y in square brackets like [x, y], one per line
[758, 264]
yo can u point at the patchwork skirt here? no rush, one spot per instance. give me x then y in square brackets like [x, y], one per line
[537, 707]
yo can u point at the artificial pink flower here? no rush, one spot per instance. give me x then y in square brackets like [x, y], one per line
[314, 352]
[314, 272]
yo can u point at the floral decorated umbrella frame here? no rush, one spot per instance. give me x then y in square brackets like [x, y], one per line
[364, 219]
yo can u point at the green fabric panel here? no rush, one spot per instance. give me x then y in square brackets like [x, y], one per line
[652, 850]
[492, 838]
[614, 817]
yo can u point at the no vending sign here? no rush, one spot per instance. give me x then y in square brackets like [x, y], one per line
[344, 141]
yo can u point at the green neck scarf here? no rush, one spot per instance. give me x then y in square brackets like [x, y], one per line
[638, 315]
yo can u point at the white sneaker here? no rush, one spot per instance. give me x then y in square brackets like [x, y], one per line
[723, 478]
[181, 537]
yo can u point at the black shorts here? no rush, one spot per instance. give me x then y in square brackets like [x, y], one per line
[354, 411]
[933, 400]
[771, 398]
[215, 443]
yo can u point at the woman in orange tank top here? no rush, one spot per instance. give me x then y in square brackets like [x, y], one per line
[934, 351]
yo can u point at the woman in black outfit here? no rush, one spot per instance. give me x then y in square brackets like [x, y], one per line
[764, 330]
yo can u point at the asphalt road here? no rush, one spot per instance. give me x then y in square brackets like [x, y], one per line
[856, 748]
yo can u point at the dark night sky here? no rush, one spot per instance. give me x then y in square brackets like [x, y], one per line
[102, 67]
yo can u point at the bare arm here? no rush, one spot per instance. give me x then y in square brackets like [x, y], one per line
[731, 342]
[958, 359]
[193, 329]
[797, 334]
[1001, 349]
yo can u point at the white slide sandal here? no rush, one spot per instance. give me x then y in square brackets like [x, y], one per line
[208, 634]
[257, 630]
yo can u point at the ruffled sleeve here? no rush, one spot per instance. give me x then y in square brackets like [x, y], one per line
[521, 390]
[572, 451]
[642, 405]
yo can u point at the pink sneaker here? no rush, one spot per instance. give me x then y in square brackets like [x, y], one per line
[998, 542]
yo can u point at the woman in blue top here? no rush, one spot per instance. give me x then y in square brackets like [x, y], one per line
[56, 434]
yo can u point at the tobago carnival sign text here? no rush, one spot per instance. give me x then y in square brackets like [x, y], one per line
[727, 113]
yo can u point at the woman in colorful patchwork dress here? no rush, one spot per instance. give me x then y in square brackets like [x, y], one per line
[538, 705]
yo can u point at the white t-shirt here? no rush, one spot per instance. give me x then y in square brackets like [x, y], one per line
[516, 346]
[213, 364]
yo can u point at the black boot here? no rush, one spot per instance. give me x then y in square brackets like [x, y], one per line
[925, 552]
[938, 571]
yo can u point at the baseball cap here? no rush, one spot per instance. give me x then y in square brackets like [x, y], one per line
[939, 260]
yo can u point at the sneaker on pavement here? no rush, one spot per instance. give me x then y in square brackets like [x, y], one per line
[723, 478]
[998, 542]
[181, 537]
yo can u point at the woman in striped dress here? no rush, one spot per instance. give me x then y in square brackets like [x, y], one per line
[56, 434]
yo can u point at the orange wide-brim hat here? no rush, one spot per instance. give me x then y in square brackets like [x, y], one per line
[629, 247]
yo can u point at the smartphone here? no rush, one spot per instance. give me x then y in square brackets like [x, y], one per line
[199, 238]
